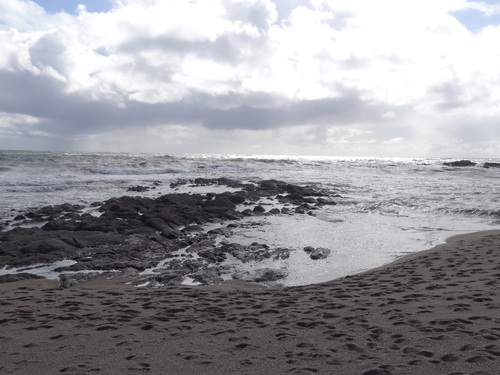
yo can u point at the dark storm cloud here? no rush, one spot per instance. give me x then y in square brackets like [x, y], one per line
[73, 113]
[344, 110]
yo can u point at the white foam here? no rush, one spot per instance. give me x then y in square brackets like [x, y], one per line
[43, 270]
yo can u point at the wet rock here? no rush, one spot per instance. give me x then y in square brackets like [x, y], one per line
[268, 274]
[259, 209]
[460, 163]
[213, 256]
[221, 201]
[135, 233]
[192, 229]
[138, 188]
[46, 246]
[237, 198]
[220, 231]
[18, 277]
[255, 252]
[260, 275]
[319, 253]
[68, 280]
[280, 253]
[170, 277]
[129, 272]
[491, 165]
[207, 277]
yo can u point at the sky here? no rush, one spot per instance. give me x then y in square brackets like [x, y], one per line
[388, 78]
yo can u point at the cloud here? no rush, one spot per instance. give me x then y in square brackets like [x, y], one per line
[317, 76]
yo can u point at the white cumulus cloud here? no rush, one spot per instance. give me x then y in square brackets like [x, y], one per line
[298, 76]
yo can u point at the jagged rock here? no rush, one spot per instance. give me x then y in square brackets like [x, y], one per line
[259, 209]
[134, 232]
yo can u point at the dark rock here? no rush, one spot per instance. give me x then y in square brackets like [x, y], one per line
[207, 277]
[220, 232]
[18, 277]
[192, 229]
[139, 189]
[158, 224]
[491, 165]
[170, 277]
[213, 256]
[261, 275]
[237, 198]
[136, 232]
[319, 253]
[280, 253]
[68, 280]
[247, 212]
[268, 274]
[460, 163]
[259, 209]
[221, 201]
[46, 246]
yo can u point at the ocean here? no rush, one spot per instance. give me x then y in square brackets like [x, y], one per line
[386, 207]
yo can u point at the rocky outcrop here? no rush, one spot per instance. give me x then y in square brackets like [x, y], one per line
[136, 233]
[460, 163]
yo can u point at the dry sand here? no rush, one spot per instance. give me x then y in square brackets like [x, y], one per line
[436, 312]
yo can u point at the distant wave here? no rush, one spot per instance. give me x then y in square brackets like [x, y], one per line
[133, 172]
[474, 212]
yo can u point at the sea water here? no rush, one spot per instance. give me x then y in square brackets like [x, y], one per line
[387, 207]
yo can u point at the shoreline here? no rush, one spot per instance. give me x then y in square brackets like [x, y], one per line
[448, 241]
[435, 311]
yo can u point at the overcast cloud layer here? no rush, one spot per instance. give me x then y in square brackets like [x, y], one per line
[314, 77]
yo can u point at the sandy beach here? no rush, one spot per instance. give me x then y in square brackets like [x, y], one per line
[435, 312]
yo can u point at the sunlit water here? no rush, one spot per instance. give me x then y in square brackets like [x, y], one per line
[388, 207]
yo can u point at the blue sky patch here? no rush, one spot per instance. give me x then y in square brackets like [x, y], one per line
[70, 6]
[475, 20]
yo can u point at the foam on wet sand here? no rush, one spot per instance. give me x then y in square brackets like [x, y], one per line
[435, 312]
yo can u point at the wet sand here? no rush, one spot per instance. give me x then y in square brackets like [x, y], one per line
[435, 312]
